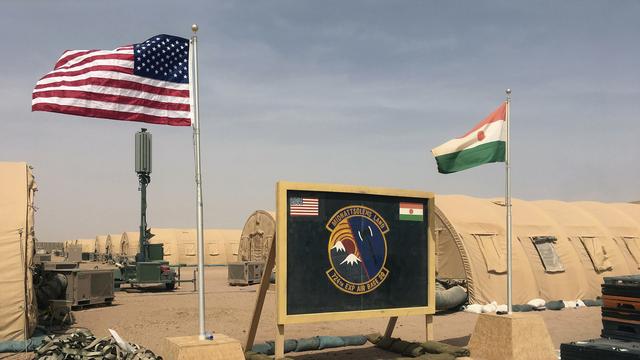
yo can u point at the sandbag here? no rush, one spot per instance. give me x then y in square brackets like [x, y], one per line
[266, 348]
[450, 298]
[555, 305]
[473, 308]
[522, 308]
[536, 303]
[436, 357]
[21, 345]
[374, 338]
[413, 350]
[386, 342]
[308, 344]
[354, 340]
[592, 302]
[327, 342]
[490, 308]
[435, 347]
[400, 346]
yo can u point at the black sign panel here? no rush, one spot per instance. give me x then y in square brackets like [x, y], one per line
[352, 252]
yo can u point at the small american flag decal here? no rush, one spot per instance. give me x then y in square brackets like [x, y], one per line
[299, 206]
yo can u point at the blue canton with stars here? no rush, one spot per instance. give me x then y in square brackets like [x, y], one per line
[162, 57]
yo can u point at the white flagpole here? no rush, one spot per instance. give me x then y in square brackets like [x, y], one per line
[193, 74]
[507, 196]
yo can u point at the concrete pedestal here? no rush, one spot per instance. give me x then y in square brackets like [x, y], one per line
[511, 337]
[221, 347]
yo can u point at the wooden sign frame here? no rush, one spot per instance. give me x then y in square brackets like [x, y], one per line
[278, 256]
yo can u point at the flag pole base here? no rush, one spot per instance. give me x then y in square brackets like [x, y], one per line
[511, 337]
[221, 347]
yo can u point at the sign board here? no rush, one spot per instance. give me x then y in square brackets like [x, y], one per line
[346, 252]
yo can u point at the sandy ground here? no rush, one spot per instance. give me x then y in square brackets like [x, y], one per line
[147, 317]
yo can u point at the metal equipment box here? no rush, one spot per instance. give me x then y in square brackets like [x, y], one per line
[88, 286]
[149, 272]
[74, 253]
[40, 258]
[600, 349]
[245, 272]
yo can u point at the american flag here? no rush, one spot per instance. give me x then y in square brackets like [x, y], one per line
[303, 206]
[145, 82]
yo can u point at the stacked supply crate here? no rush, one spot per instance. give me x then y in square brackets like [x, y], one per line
[621, 307]
[620, 324]
[600, 349]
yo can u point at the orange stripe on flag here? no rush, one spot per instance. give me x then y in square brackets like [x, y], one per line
[404, 205]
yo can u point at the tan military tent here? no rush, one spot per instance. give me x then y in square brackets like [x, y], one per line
[18, 311]
[67, 243]
[257, 235]
[221, 246]
[129, 243]
[101, 244]
[180, 245]
[169, 239]
[114, 245]
[88, 245]
[561, 251]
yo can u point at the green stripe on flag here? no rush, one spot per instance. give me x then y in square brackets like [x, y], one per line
[411, 217]
[466, 159]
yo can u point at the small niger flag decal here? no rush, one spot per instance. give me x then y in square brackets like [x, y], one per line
[411, 211]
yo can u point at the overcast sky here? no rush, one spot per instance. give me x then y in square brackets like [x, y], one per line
[352, 92]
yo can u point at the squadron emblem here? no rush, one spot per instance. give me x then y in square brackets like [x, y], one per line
[357, 249]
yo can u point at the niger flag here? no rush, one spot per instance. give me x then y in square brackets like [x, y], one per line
[485, 143]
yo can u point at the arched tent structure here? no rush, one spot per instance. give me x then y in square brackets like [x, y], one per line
[88, 245]
[66, 244]
[560, 250]
[101, 244]
[113, 245]
[129, 243]
[258, 233]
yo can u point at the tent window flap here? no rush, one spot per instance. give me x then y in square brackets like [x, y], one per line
[190, 249]
[545, 245]
[633, 245]
[494, 257]
[597, 253]
[213, 249]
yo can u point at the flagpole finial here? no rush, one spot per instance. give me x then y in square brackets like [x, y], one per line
[194, 28]
[508, 91]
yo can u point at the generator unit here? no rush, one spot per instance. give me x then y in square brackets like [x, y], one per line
[245, 272]
[67, 283]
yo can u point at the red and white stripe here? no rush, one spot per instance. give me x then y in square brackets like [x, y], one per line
[101, 83]
[309, 207]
